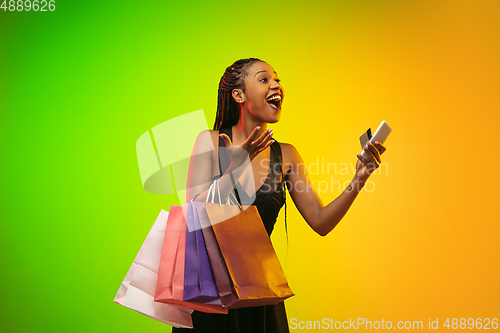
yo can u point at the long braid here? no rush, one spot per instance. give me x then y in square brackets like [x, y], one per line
[228, 111]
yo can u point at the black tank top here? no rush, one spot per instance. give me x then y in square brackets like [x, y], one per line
[270, 197]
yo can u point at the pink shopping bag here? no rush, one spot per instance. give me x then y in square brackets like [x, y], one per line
[170, 284]
[138, 288]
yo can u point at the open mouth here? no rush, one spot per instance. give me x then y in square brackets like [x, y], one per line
[274, 101]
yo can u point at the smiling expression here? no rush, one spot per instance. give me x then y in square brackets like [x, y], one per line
[263, 93]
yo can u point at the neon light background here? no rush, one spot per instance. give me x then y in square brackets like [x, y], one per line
[79, 85]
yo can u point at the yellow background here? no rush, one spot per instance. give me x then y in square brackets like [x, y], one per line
[424, 244]
[80, 85]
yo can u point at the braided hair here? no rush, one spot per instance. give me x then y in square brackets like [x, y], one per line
[228, 111]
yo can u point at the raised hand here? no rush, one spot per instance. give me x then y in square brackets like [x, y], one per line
[364, 168]
[249, 148]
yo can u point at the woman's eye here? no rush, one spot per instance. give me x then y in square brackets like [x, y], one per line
[264, 79]
[278, 80]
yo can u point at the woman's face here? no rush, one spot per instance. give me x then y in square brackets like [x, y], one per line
[263, 93]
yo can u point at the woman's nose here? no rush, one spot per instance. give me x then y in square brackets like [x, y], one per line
[276, 85]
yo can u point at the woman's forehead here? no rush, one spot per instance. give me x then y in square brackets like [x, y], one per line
[260, 67]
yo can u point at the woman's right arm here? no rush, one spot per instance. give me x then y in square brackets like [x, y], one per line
[201, 164]
[200, 167]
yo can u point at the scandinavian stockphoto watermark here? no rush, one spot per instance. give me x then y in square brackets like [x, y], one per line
[165, 153]
[329, 173]
[165, 156]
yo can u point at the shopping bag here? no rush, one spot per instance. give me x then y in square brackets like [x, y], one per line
[138, 288]
[170, 285]
[199, 282]
[255, 274]
[225, 287]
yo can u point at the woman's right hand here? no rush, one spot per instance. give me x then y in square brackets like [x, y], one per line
[249, 148]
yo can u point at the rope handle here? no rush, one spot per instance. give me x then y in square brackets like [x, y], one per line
[215, 189]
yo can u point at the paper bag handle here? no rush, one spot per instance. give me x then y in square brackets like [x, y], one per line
[215, 187]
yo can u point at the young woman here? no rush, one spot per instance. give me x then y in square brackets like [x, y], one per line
[243, 155]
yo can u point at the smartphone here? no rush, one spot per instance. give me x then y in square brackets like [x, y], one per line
[380, 136]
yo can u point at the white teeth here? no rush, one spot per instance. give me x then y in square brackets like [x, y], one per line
[275, 97]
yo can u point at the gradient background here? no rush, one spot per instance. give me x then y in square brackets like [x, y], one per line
[79, 85]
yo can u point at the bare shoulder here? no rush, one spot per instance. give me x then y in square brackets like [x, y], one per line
[204, 155]
[291, 157]
[214, 134]
[286, 146]
[207, 140]
[290, 153]
[207, 133]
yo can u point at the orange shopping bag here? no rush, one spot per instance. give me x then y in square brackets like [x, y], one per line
[254, 275]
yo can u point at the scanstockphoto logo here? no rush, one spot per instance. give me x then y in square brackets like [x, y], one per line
[366, 324]
[164, 153]
[354, 324]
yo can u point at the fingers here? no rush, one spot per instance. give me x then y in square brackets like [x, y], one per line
[373, 152]
[372, 164]
[252, 142]
[263, 138]
[259, 144]
[270, 142]
[381, 148]
[253, 145]
[252, 135]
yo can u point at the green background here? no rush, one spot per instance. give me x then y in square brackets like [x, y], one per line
[79, 85]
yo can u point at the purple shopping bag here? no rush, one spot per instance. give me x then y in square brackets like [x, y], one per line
[199, 282]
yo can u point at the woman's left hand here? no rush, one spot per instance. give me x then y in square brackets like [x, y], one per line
[365, 168]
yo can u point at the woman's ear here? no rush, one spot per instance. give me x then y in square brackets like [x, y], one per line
[239, 96]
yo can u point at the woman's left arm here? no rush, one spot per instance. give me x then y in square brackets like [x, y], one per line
[320, 218]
